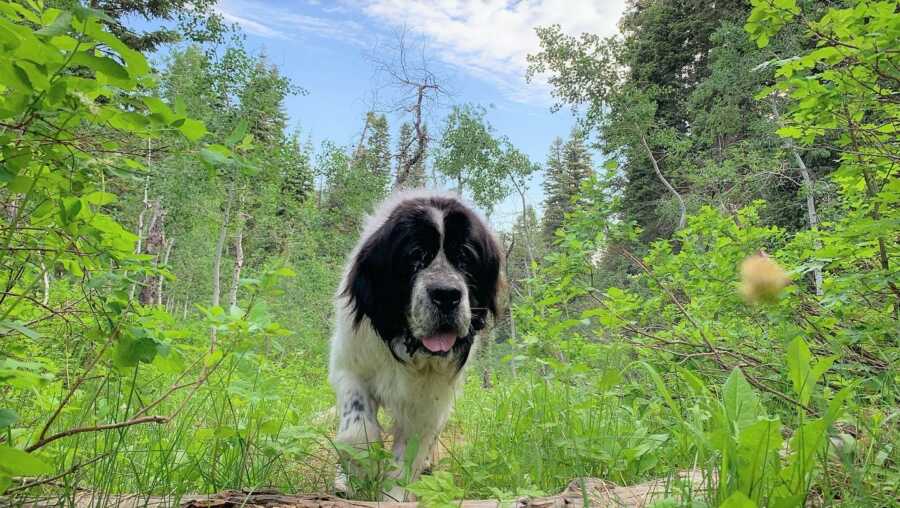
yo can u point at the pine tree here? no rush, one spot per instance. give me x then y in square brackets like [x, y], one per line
[554, 189]
[578, 163]
[377, 151]
[568, 165]
[405, 145]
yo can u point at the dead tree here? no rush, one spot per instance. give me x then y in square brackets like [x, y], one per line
[412, 89]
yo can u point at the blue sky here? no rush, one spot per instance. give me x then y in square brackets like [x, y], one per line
[477, 47]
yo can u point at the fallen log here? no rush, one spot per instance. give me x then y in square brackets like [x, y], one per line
[598, 493]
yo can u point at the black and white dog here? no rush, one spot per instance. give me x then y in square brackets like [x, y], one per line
[418, 289]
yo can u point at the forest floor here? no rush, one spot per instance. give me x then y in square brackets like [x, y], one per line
[584, 492]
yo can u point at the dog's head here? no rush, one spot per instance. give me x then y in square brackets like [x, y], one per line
[426, 277]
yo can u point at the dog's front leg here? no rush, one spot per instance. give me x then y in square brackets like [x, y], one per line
[357, 426]
[409, 465]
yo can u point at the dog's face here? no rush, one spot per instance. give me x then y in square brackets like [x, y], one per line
[426, 279]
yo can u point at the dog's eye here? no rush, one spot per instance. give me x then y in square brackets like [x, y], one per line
[419, 259]
[465, 257]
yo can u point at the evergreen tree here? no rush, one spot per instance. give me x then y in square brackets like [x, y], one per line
[568, 165]
[262, 102]
[416, 176]
[377, 151]
[195, 19]
[577, 163]
[555, 199]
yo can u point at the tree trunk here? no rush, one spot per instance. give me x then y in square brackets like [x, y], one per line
[46, 277]
[165, 262]
[421, 137]
[140, 232]
[811, 214]
[217, 263]
[683, 209]
[526, 238]
[220, 246]
[154, 244]
[809, 185]
[238, 263]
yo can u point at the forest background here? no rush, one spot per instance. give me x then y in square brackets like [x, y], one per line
[709, 282]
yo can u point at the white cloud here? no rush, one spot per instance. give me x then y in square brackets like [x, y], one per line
[486, 39]
[490, 39]
[250, 26]
[273, 22]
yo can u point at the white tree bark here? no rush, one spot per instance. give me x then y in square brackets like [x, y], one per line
[165, 262]
[683, 218]
[809, 186]
[217, 262]
[811, 214]
[238, 263]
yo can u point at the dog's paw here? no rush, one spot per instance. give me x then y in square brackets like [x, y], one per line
[341, 484]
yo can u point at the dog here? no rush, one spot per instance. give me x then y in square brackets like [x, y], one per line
[417, 293]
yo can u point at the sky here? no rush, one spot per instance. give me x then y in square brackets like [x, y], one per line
[478, 49]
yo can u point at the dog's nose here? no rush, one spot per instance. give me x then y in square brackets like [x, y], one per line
[445, 298]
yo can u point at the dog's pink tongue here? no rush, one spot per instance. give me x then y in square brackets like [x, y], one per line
[441, 342]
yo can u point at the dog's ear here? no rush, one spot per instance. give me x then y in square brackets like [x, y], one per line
[379, 284]
[494, 270]
[483, 264]
[368, 288]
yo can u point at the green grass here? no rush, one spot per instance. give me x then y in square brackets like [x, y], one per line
[256, 425]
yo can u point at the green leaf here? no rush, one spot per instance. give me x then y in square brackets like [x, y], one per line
[60, 25]
[158, 107]
[70, 209]
[803, 374]
[742, 405]
[101, 64]
[20, 184]
[758, 447]
[14, 78]
[7, 325]
[738, 500]
[37, 76]
[214, 158]
[193, 129]
[8, 418]
[790, 132]
[19, 463]
[131, 350]
[270, 427]
[212, 358]
[437, 490]
[661, 387]
[134, 60]
[86, 13]
[240, 130]
[101, 198]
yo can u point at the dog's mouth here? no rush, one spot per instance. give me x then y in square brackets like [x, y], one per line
[440, 342]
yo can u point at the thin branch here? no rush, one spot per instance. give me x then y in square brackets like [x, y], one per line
[683, 208]
[97, 428]
[751, 379]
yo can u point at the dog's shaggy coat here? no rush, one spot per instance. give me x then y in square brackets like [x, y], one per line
[418, 289]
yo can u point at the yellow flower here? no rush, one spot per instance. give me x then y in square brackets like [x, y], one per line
[762, 279]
